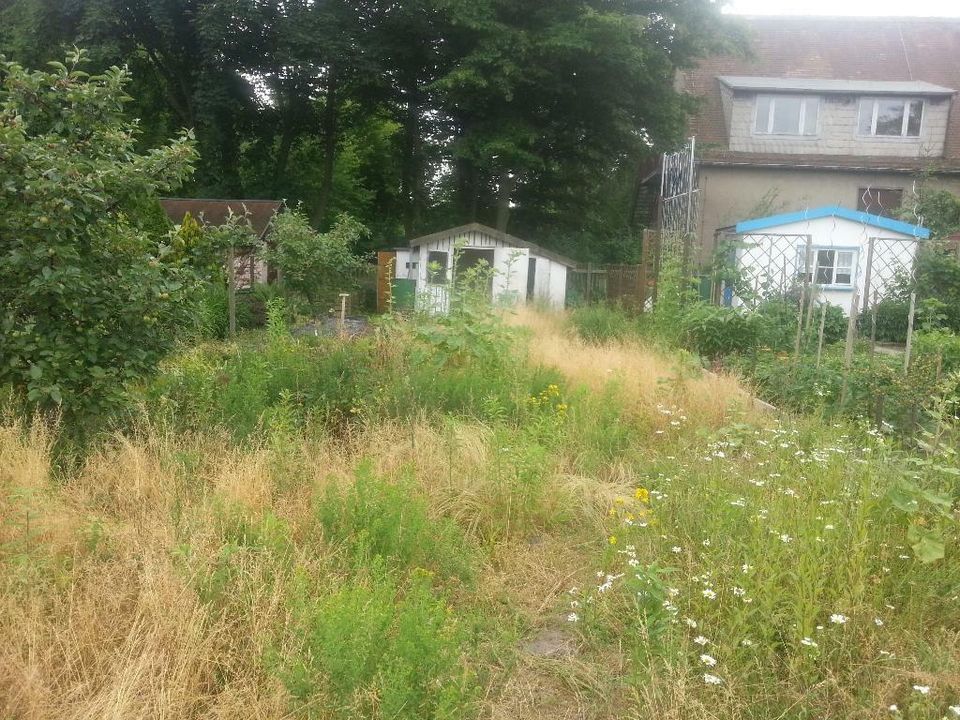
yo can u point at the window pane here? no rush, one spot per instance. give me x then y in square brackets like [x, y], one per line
[844, 260]
[437, 267]
[890, 117]
[913, 122]
[825, 260]
[763, 114]
[866, 117]
[843, 277]
[810, 116]
[786, 116]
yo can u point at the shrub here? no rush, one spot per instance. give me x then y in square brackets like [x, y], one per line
[88, 302]
[376, 520]
[939, 343]
[713, 330]
[892, 315]
[379, 648]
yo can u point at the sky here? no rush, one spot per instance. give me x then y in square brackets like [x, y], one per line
[914, 8]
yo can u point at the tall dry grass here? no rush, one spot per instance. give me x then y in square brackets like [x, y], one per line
[644, 376]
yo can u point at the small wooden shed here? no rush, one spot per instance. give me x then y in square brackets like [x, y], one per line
[249, 268]
[523, 271]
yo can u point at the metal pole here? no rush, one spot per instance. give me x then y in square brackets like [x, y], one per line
[868, 275]
[913, 309]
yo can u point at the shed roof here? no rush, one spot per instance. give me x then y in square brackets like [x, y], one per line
[503, 237]
[215, 212]
[862, 218]
[854, 49]
[833, 85]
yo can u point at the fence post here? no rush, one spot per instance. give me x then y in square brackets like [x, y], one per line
[868, 275]
[823, 320]
[657, 238]
[848, 351]
[913, 309]
[803, 293]
[231, 291]
[643, 271]
[589, 282]
[873, 324]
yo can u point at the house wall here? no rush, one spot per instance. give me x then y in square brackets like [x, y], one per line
[837, 130]
[732, 194]
[839, 233]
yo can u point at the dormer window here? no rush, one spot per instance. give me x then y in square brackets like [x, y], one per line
[890, 117]
[786, 115]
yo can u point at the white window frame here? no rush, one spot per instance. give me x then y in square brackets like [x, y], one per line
[907, 102]
[837, 249]
[772, 110]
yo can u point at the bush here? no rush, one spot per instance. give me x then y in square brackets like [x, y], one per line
[892, 315]
[713, 331]
[379, 648]
[88, 301]
[941, 344]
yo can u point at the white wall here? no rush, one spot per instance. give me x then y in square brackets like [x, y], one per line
[838, 233]
[510, 263]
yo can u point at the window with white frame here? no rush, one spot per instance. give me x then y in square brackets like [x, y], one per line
[786, 115]
[828, 266]
[890, 117]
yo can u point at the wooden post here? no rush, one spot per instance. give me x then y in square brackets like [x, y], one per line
[913, 309]
[343, 311]
[868, 276]
[823, 320]
[848, 351]
[643, 271]
[589, 282]
[873, 324]
[232, 291]
[657, 260]
[803, 293]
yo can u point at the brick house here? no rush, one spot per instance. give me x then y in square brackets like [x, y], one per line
[826, 111]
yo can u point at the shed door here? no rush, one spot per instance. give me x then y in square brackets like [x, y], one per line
[472, 257]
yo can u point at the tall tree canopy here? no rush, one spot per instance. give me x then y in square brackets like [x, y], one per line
[527, 114]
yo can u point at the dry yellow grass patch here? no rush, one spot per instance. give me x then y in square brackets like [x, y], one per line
[643, 376]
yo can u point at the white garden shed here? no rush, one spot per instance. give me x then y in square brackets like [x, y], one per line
[523, 272]
[842, 252]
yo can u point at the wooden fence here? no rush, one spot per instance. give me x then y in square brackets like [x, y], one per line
[632, 286]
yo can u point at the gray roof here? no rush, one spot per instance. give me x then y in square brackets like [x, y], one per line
[506, 239]
[816, 85]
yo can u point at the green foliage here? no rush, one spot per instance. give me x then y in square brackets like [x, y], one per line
[713, 331]
[379, 648]
[376, 521]
[602, 323]
[89, 302]
[317, 265]
[941, 344]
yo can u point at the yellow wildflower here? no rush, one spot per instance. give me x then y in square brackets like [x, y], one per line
[612, 539]
[643, 495]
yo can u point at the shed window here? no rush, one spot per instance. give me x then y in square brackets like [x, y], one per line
[437, 262]
[890, 117]
[786, 115]
[830, 267]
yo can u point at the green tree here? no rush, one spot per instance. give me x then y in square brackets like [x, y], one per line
[316, 265]
[87, 301]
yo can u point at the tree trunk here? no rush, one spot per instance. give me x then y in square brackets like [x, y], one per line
[330, 130]
[508, 183]
[411, 177]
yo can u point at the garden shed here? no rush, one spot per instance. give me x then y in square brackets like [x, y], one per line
[523, 271]
[250, 269]
[842, 252]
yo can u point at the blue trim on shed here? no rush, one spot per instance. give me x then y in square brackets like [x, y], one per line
[857, 216]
